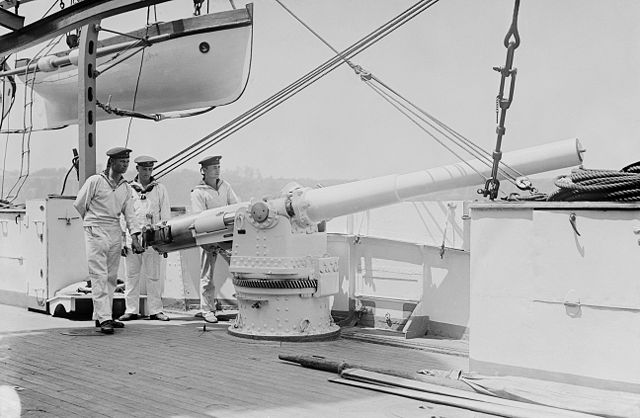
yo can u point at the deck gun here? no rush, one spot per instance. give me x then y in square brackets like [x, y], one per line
[281, 271]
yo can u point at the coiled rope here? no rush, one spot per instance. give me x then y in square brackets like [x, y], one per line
[599, 185]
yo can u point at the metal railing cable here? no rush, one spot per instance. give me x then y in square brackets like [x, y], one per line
[284, 94]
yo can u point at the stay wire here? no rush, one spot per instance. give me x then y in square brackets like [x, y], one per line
[300, 84]
[468, 145]
[135, 92]
[335, 51]
[464, 143]
[276, 99]
[405, 111]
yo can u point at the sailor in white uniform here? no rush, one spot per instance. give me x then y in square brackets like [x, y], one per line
[100, 201]
[151, 205]
[211, 193]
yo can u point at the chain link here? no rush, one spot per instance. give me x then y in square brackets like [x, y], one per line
[511, 42]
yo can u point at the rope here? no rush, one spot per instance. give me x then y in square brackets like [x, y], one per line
[278, 98]
[599, 185]
[25, 157]
[156, 117]
[74, 164]
[135, 92]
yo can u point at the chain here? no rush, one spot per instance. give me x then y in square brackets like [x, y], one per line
[511, 42]
[197, 5]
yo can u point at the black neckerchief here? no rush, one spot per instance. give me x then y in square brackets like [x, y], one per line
[143, 191]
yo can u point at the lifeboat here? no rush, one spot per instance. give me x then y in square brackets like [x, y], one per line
[193, 63]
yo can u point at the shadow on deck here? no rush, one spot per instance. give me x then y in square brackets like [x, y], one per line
[175, 369]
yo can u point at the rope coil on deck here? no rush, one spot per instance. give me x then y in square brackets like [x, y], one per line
[592, 185]
[599, 185]
[276, 284]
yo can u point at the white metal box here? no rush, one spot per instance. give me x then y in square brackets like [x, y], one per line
[54, 249]
[555, 292]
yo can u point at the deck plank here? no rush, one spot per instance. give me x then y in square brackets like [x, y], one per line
[175, 369]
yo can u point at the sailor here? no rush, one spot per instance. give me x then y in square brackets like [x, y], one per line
[151, 205]
[212, 192]
[100, 201]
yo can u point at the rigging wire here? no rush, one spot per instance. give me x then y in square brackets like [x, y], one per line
[135, 91]
[465, 143]
[400, 103]
[413, 112]
[26, 136]
[406, 112]
[278, 98]
[75, 161]
[6, 144]
[54, 4]
[20, 131]
[124, 58]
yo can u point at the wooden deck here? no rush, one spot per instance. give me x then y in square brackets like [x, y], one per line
[153, 369]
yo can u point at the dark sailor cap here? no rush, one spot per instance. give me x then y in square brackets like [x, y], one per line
[207, 161]
[145, 161]
[119, 152]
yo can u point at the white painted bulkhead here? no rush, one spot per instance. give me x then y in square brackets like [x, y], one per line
[555, 292]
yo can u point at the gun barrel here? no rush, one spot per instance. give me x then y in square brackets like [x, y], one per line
[330, 202]
[308, 207]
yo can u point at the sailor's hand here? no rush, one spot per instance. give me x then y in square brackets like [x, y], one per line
[135, 244]
[124, 251]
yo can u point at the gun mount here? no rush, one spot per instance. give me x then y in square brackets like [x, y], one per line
[281, 271]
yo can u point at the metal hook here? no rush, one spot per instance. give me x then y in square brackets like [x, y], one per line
[572, 220]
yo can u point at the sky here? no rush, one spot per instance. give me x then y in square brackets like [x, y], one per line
[578, 76]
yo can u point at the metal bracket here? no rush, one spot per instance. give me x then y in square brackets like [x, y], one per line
[572, 220]
[39, 229]
[68, 219]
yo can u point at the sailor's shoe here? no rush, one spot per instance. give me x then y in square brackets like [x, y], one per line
[129, 317]
[114, 324]
[159, 317]
[106, 327]
[210, 317]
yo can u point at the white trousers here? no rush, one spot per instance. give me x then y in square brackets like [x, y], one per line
[103, 256]
[207, 284]
[148, 267]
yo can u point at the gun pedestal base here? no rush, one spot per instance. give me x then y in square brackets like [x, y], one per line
[270, 311]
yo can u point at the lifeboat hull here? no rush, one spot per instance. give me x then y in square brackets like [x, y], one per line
[191, 63]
